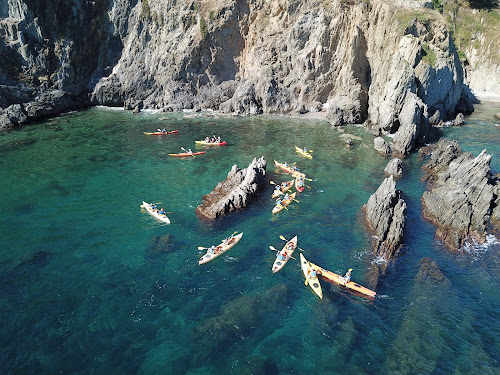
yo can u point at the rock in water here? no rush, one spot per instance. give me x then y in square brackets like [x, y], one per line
[460, 200]
[239, 188]
[386, 216]
[394, 168]
[381, 146]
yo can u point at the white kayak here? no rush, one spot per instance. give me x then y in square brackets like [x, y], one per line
[155, 213]
[287, 252]
[220, 249]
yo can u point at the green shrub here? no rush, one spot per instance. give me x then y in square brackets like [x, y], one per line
[203, 28]
[211, 16]
[428, 55]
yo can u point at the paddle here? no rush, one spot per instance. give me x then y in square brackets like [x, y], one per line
[274, 249]
[284, 239]
[187, 151]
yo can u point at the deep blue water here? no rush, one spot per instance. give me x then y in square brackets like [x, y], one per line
[90, 284]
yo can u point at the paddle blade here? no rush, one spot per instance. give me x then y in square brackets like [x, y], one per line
[305, 282]
[272, 182]
[283, 238]
[201, 248]
[272, 248]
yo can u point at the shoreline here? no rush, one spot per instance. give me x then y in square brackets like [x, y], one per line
[487, 97]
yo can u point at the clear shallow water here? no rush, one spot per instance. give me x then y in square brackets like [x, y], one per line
[90, 284]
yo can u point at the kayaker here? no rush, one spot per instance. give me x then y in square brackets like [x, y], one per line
[301, 181]
[305, 149]
[347, 276]
[164, 130]
[277, 188]
[278, 201]
[218, 140]
[153, 206]
[211, 250]
[312, 274]
[190, 152]
[286, 164]
[162, 212]
[286, 197]
[207, 140]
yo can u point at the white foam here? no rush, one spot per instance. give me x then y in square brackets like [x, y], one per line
[477, 249]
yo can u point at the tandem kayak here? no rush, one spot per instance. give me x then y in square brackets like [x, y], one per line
[288, 169]
[339, 280]
[155, 213]
[220, 249]
[303, 153]
[203, 143]
[287, 252]
[284, 203]
[284, 187]
[311, 280]
[299, 184]
[185, 154]
[162, 133]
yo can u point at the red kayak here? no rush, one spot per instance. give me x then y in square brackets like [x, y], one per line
[161, 133]
[185, 154]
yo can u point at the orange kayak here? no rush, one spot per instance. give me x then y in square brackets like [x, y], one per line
[339, 280]
[185, 154]
[288, 169]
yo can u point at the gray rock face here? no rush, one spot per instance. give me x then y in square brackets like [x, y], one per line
[394, 168]
[386, 216]
[381, 146]
[460, 199]
[236, 192]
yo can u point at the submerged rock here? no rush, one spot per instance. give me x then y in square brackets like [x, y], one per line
[236, 192]
[386, 216]
[462, 196]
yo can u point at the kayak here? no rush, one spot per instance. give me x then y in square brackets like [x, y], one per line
[155, 213]
[339, 280]
[185, 154]
[203, 143]
[220, 249]
[288, 169]
[284, 203]
[298, 187]
[303, 153]
[311, 280]
[161, 133]
[285, 186]
[287, 251]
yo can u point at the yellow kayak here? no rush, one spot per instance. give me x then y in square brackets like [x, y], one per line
[303, 153]
[288, 169]
[311, 280]
[284, 203]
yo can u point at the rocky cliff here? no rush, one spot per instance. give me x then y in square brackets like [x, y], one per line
[390, 64]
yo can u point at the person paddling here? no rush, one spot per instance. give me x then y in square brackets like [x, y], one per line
[347, 276]
[162, 212]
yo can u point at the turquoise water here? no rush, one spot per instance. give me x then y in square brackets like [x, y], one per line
[90, 284]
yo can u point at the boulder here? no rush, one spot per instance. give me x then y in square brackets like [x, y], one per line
[381, 146]
[442, 153]
[497, 116]
[414, 126]
[236, 192]
[386, 216]
[394, 168]
[12, 116]
[460, 200]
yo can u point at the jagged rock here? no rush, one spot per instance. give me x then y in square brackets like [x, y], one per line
[12, 116]
[442, 153]
[343, 110]
[394, 168]
[236, 192]
[460, 199]
[386, 216]
[459, 120]
[435, 119]
[413, 127]
[49, 103]
[381, 146]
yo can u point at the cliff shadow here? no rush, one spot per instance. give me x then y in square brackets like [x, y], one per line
[483, 4]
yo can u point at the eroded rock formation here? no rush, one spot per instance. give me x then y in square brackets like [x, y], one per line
[462, 196]
[356, 63]
[236, 192]
[394, 168]
[386, 217]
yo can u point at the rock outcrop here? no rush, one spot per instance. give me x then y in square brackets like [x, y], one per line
[462, 194]
[236, 192]
[386, 217]
[381, 146]
[394, 168]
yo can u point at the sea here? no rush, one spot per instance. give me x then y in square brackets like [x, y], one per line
[90, 283]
